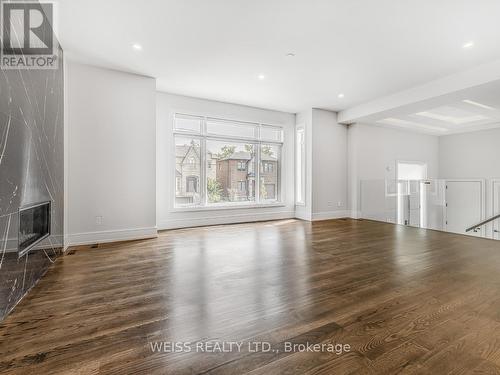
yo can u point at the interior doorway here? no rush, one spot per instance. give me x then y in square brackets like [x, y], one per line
[411, 196]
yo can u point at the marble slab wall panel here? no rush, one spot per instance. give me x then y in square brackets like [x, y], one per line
[31, 171]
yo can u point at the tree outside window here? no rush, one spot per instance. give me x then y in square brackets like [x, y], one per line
[236, 165]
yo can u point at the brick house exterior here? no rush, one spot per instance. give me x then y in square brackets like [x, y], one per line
[268, 177]
[235, 175]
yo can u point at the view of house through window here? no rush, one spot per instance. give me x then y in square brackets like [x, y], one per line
[269, 182]
[234, 178]
[230, 175]
[187, 171]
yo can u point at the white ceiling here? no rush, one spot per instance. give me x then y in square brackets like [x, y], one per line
[216, 49]
[472, 109]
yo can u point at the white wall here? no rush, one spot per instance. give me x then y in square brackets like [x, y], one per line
[326, 166]
[111, 155]
[374, 150]
[329, 166]
[470, 155]
[473, 155]
[167, 217]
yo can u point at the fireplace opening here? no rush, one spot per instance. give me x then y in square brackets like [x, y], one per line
[34, 226]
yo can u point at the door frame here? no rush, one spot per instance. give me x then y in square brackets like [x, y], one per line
[483, 199]
[398, 202]
[495, 225]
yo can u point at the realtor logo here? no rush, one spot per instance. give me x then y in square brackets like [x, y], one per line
[27, 36]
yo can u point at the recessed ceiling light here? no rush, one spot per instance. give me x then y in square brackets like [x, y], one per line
[291, 54]
[137, 47]
[340, 96]
[478, 104]
[468, 45]
[261, 77]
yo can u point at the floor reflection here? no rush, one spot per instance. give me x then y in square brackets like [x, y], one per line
[219, 275]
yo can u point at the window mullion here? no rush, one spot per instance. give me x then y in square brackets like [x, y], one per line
[279, 185]
[204, 127]
[257, 172]
[204, 194]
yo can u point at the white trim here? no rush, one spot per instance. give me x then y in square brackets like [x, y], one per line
[303, 215]
[483, 201]
[229, 206]
[226, 219]
[66, 243]
[112, 236]
[405, 129]
[203, 136]
[421, 130]
[329, 215]
[495, 225]
[355, 214]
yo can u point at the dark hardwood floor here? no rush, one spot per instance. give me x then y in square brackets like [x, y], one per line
[404, 300]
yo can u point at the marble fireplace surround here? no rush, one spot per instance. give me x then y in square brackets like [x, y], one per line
[31, 171]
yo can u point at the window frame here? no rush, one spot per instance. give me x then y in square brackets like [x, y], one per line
[268, 167]
[178, 184]
[241, 166]
[203, 136]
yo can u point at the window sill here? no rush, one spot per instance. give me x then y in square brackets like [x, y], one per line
[228, 207]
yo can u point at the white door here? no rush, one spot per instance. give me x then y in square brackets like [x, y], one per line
[496, 209]
[434, 204]
[463, 206]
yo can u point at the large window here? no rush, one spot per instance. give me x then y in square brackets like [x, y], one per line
[222, 163]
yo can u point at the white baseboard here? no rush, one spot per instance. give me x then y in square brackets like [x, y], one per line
[329, 215]
[354, 214]
[111, 236]
[303, 216]
[66, 243]
[229, 219]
